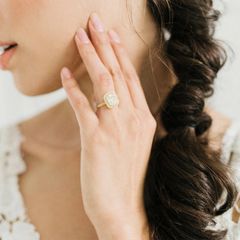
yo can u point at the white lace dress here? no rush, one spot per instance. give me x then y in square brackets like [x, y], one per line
[16, 225]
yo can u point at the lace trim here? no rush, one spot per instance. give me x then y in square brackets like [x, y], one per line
[229, 143]
[223, 222]
[14, 221]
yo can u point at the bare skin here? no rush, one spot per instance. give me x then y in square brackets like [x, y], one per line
[52, 179]
[50, 186]
[52, 155]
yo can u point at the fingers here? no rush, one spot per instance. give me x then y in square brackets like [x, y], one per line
[79, 102]
[105, 51]
[100, 76]
[129, 71]
[110, 70]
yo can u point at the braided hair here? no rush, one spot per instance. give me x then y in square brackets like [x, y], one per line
[185, 178]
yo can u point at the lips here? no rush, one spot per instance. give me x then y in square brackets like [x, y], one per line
[7, 50]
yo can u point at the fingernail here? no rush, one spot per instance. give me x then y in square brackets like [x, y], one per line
[82, 36]
[66, 73]
[97, 23]
[114, 36]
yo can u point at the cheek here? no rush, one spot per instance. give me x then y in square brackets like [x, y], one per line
[38, 72]
[46, 22]
[46, 44]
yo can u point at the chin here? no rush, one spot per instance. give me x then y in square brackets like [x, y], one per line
[28, 87]
[32, 92]
[31, 80]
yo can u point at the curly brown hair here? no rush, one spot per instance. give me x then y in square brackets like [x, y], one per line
[185, 178]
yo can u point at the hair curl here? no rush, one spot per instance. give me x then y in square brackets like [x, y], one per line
[185, 178]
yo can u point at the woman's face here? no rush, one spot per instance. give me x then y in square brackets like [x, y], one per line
[44, 31]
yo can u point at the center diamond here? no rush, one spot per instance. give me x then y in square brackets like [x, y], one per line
[111, 99]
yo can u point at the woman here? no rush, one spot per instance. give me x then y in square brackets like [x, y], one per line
[148, 156]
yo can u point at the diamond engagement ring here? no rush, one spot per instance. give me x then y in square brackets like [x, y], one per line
[110, 100]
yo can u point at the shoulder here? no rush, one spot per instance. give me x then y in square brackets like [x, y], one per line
[224, 131]
[225, 134]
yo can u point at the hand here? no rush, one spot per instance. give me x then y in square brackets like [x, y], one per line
[115, 143]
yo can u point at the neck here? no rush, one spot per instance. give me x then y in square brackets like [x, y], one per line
[58, 126]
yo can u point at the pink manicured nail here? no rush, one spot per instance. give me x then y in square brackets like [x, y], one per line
[97, 23]
[82, 36]
[114, 36]
[66, 73]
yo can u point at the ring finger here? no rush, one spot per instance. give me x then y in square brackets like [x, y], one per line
[100, 76]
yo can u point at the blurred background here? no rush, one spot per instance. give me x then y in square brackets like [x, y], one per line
[15, 107]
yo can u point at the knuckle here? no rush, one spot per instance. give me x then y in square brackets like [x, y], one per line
[152, 123]
[120, 49]
[71, 85]
[81, 102]
[132, 76]
[149, 121]
[116, 73]
[88, 51]
[104, 78]
[135, 124]
[101, 41]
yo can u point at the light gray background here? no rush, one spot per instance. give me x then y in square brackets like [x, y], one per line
[15, 107]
